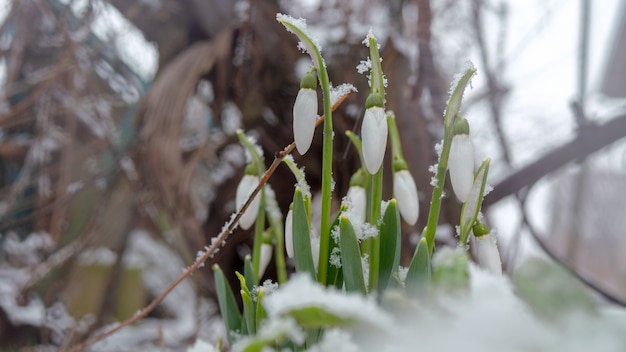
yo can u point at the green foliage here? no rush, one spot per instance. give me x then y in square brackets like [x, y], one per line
[351, 257]
[302, 236]
[389, 245]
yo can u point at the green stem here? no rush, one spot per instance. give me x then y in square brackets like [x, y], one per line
[396, 144]
[327, 177]
[435, 202]
[259, 227]
[374, 247]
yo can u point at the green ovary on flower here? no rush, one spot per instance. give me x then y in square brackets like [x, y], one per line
[245, 188]
[304, 117]
[405, 192]
[374, 136]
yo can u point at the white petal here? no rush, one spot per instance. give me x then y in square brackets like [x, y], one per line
[405, 192]
[357, 197]
[488, 255]
[304, 116]
[266, 256]
[289, 234]
[374, 136]
[246, 186]
[461, 165]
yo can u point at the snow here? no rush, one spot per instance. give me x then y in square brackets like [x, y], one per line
[339, 91]
[301, 292]
[304, 45]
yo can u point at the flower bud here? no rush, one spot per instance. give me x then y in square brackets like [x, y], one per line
[245, 188]
[305, 113]
[487, 251]
[374, 133]
[461, 160]
[266, 256]
[289, 233]
[357, 196]
[405, 192]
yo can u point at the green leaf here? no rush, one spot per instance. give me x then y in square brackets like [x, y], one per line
[471, 208]
[454, 104]
[248, 312]
[351, 257]
[419, 273]
[450, 270]
[228, 305]
[551, 291]
[302, 236]
[318, 317]
[261, 314]
[248, 272]
[389, 245]
[334, 277]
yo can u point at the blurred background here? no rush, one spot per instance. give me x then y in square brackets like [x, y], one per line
[118, 160]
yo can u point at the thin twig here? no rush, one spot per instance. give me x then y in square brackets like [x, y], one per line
[210, 250]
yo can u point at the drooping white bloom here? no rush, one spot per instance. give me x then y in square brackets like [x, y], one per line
[245, 188]
[374, 136]
[461, 165]
[289, 234]
[304, 117]
[405, 192]
[357, 196]
[266, 256]
[488, 255]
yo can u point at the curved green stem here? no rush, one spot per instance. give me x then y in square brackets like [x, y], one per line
[396, 143]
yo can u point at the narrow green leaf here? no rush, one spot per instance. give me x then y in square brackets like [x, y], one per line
[471, 208]
[419, 274]
[454, 104]
[261, 314]
[351, 257]
[389, 245]
[334, 273]
[228, 305]
[248, 273]
[248, 312]
[302, 236]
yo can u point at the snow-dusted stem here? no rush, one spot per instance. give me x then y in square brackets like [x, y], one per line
[378, 85]
[396, 147]
[327, 156]
[453, 107]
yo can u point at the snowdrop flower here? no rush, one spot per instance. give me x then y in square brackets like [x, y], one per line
[405, 192]
[487, 250]
[245, 188]
[289, 233]
[461, 161]
[266, 256]
[305, 113]
[374, 133]
[357, 194]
